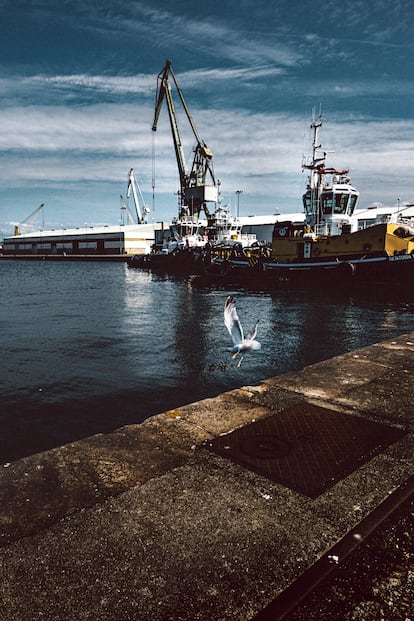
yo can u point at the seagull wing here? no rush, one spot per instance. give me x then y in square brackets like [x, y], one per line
[250, 336]
[232, 322]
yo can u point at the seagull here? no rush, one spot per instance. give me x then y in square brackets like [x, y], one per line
[232, 323]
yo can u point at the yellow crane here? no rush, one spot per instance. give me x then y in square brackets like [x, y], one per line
[20, 229]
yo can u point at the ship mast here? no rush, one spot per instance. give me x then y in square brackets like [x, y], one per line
[315, 165]
[330, 199]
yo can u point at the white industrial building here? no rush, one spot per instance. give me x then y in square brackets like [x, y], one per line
[128, 239]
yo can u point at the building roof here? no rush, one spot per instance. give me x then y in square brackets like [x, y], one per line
[88, 231]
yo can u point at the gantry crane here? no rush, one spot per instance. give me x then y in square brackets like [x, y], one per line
[198, 186]
[19, 229]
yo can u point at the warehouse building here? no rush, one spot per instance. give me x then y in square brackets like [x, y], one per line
[126, 239]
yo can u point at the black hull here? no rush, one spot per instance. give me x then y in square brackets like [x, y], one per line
[183, 262]
[393, 271]
[397, 271]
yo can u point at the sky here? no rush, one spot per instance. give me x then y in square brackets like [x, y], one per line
[78, 83]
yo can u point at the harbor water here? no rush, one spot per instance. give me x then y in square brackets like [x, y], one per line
[89, 347]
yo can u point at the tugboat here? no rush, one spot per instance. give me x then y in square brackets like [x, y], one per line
[180, 252]
[225, 230]
[327, 247]
[190, 242]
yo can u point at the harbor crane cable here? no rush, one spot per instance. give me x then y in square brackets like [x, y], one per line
[153, 171]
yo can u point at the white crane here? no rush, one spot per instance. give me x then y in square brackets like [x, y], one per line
[126, 210]
[142, 215]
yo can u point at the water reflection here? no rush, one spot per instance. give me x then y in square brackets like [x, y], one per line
[88, 347]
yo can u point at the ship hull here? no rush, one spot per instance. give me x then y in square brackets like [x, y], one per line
[183, 262]
[395, 271]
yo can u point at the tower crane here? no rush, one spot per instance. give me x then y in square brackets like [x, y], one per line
[198, 187]
[19, 229]
[142, 216]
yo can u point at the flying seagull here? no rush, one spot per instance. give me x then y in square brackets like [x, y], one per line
[232, 323]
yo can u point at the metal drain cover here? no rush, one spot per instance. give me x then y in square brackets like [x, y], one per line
[306, 448]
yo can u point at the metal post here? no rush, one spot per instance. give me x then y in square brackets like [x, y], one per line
[238, 192]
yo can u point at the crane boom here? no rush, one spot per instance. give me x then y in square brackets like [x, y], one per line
[199, 185]
[164, 91]
[18, 230]
[133, 184]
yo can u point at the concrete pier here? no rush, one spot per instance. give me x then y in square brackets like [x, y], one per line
[190, 516]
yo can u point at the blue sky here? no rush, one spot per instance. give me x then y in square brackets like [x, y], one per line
[77, 92]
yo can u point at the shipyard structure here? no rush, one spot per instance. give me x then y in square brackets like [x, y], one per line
[121, 240]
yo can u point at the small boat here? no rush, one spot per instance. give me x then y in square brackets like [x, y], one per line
[185, 233]
[179, 252]
[223, 229]
[188, 247]
[328, 246]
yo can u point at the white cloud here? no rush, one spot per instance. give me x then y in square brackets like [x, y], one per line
[259, 153]
[98, 128]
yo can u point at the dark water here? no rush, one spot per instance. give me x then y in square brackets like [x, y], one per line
[89, 347]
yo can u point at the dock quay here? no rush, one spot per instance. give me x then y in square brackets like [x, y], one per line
[231, 508]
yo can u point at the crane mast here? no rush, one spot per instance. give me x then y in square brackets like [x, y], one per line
[198, 186]
[125, 210]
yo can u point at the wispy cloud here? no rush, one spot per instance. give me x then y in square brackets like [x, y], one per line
[143, 84]
[79, 88]
[139, 89]
[157, 28]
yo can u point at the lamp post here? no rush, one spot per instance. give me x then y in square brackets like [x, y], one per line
[238, 192]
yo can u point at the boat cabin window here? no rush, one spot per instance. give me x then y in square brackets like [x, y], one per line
[352, 202]
[307, 203]
[327, 201]
[341, 202]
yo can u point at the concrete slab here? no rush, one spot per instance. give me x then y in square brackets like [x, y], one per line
[39, 490]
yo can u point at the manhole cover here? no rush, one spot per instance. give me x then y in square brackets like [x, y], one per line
[306, 448]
